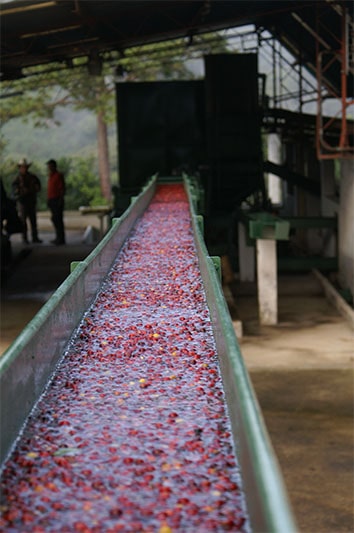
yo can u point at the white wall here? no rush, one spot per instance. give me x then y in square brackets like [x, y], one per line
[275, 156]
[346, 226]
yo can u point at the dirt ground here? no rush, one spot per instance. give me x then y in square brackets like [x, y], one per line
[301, 370]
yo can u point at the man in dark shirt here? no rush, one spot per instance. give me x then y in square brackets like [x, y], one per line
[55, 200]
[25, 188]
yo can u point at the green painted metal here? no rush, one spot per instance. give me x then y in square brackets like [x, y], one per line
[284, 263]
[26, 367]
[200, 220]
[264, 225]
[266, 496]
[73, 265]
[168, 179]
[217, 264]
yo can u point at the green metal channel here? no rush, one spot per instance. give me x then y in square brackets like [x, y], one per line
[29, 362]
[266, 497]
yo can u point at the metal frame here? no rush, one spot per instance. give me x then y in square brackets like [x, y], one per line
[327, 58]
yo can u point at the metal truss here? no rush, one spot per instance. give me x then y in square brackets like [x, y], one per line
[331, 143]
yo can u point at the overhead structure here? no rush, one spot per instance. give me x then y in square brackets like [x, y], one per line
[319, 35]
[341, 59]
[39, 32]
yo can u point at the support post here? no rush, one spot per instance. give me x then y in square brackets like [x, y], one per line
[275, 156]
[267, 281]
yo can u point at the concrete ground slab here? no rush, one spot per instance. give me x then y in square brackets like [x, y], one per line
[302, 374]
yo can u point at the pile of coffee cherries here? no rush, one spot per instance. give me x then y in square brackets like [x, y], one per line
[132, 434]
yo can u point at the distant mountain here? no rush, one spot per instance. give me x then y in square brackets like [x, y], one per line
[75, 136]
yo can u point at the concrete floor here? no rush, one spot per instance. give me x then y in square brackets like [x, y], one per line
[38, 270]
[302, 373]
[301, 370]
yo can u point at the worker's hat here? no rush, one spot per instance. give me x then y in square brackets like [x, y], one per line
[24, 163]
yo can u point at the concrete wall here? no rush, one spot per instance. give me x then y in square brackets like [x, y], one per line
[329, 204]
[346, 226]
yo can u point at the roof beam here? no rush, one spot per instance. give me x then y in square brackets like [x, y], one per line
[22, 9]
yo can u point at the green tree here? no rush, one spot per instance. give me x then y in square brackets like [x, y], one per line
[82, 186]
[41, 91]
[64, 87]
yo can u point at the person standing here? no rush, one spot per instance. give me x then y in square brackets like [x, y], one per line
[25, 188]
[55, 200]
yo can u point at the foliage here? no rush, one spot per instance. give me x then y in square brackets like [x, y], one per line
[66, 136]
[33, 102]
[169, 60]
[41, 91]
[82, 183]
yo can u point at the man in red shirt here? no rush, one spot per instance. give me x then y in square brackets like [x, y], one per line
[55, 196]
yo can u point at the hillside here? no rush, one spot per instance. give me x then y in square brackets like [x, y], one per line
[72, 134]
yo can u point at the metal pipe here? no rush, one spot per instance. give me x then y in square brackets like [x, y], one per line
[343, 141]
